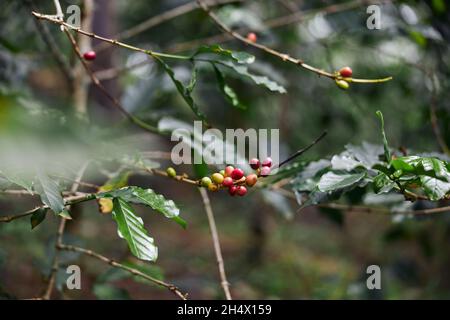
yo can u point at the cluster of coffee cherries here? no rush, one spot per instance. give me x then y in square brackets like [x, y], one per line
[235, 180]
[343, 78]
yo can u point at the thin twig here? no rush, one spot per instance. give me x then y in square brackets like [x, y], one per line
[215, 237]
[59, 238]
[114, 100]
[175, 290]
[282, 56]
[303, 150]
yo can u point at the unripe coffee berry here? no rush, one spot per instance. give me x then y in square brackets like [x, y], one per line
[254, 163]
[206, 181]
[237, 174]
[227, 182]
[251, 179]
[217, 178]
[222, 172]
[232, 190]
[213, 187]
[171, 172]
[342, 84]
[242, 191]
[346, 72]
[228, 171]
[251, 36]
[265, 171]
[267, 162]
[90, 55]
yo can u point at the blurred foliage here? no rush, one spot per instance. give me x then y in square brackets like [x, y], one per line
[317, 253]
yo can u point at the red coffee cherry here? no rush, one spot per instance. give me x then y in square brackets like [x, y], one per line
[228, 171]
[90, 55]
[346, 72]
[241, 191]
[237, 174]
[265, 171]
[232, 190]
[267, 162]
[254, 163]
[227, 182]
[251, 179]
[251, 36]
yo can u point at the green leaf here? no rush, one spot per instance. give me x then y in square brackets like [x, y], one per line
[331, 181]
[149, 198]
[37, 217]
[237, 56]
[227, 91]
[259, 80]
[19, 179]
[131, 228]
[108, 292]
[185, 92]
[437, 166]
[382, 184]
[434, 188]
[387, 152]
[50, 194]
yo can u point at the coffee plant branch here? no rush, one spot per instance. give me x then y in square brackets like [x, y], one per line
[174, 289]
[216, 242]
[284, 56]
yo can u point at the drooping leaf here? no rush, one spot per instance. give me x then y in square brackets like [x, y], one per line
[257, 79]
[37, 217]
[131, 228]
[237, 56]
[19, 179]
[434, 188]
[331, 181]
[184, 91]
[226, 90]
[387, 152]
[149, 198]
[50, 194]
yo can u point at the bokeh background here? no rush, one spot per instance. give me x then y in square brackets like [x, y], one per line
[270, 249]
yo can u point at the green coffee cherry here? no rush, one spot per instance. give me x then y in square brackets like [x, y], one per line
[206, 181]
[171, 172]
[344, 85]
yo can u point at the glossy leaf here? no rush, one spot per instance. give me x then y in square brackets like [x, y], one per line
[237, 56]
[131, 228]
[331, 181]
[227, 91]
[50, 194]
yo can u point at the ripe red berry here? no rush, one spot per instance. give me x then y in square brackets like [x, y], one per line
[237, 174]
[267, 162]
[90, 55]
[227, 182]
[251, 36]
[265, 171]
[254, 163]
[228, 171]
[251, 179]
[242, 191]
[232, 190]
[346, 72]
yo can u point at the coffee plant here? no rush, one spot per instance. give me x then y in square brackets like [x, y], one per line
[63, 158]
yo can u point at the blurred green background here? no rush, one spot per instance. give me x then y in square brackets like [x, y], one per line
[270, 250]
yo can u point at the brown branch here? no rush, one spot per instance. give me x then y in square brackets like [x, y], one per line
[282, 56]
[215, 237]
[59, 238]
[175, 290]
